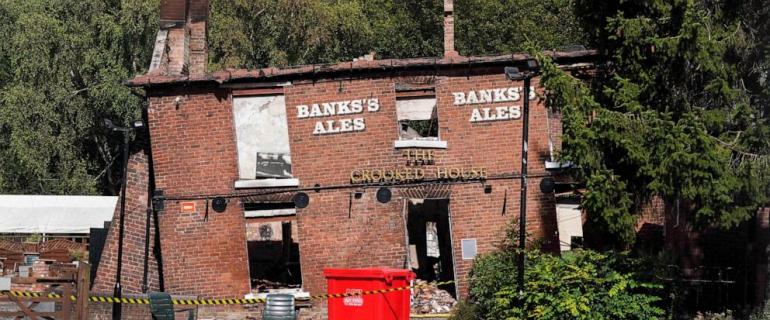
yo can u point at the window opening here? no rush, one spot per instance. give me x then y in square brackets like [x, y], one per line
[569, 222]
[417, 118]
[263, 137]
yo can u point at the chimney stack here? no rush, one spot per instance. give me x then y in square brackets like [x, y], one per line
[180, 47]
[449, 30]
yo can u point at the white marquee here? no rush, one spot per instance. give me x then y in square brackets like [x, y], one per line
[54, 214]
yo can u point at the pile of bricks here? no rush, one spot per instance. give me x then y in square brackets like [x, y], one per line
[431, 299]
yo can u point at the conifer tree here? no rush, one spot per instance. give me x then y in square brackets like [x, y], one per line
[677, 111]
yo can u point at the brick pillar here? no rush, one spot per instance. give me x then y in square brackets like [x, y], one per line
[176, 54]
[198, 53]
[132, 275]
[449, 29]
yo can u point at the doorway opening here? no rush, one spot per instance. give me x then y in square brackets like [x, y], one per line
[430, 241]
[273, 250]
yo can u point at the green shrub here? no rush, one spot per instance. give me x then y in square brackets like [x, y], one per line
[580, 284]
[490, 274]
[464, 310]
[760, 314]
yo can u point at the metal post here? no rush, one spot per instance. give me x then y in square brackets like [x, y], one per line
[116, 309]
[523, 207]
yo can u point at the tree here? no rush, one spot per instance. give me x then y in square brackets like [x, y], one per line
[670, 116]
[254, 34]
[62, 67]
[498, 27]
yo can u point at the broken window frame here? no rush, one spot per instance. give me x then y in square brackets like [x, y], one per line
[247, 178]
[413, 95]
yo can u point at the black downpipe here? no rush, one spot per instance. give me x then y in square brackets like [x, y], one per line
[150, 191]
[145, 284]
[157, 253]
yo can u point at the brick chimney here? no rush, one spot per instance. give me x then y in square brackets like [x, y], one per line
[449, 30]
[180, 46]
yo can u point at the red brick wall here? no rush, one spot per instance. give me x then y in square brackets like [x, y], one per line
[195, 153]
[253, 224]
[134, 237]
[374, 235]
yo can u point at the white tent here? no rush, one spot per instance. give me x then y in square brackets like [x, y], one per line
[54, 214]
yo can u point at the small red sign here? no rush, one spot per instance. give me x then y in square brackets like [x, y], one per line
[187, 207]
[354, 301]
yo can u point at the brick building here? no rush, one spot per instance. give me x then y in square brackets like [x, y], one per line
[443, 135]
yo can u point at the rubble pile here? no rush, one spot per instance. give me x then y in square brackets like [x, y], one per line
[261, 285]
[430, 299]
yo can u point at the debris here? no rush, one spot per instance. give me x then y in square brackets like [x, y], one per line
[431, 299]
[261, 285]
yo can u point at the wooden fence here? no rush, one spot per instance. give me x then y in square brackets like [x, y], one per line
[68, 291]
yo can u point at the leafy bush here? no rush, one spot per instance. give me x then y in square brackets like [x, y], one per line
[759, 314]
[580, 284]
[464, 310]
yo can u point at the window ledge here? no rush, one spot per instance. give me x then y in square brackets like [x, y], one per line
[269, 213]
[266, 183]
[432, 144]
[555, 165]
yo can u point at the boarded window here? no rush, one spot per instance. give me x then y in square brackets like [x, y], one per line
[263, 137]
[417, 118]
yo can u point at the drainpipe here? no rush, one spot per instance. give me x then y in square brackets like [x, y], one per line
[150, 191]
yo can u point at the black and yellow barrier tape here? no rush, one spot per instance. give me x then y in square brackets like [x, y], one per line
[351, 294]
[105, 299]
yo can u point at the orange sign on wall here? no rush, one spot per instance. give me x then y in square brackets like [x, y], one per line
[187, 207]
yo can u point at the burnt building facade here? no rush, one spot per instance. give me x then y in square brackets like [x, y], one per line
[271, 175]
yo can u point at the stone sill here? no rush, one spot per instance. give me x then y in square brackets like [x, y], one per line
[555, 165]
[266, 183]
[429, 144]
[269, 213]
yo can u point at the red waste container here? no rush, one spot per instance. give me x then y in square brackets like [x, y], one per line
[379, 306]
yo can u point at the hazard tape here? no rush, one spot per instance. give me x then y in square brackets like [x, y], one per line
[105, 299]
[362, 293]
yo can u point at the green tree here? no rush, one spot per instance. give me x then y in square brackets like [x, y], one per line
[499, 27]
[669, 115]
[62, 67]
[254, 34]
